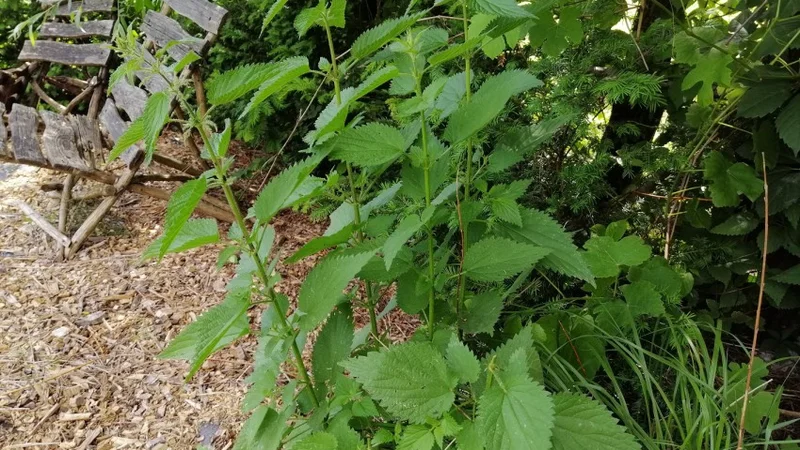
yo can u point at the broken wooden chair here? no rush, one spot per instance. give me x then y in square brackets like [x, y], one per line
[74, 144]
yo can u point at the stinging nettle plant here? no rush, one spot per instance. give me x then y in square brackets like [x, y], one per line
[419, 213]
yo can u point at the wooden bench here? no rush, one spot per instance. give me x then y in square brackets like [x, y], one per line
[74, 144]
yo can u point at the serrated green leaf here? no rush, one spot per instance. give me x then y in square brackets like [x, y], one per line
[554, 37]
[275, 195]
[235, 83]
[487, 103]
[454, 51]
[375, 38]
[410, 298]
[462, 362]
[179, 209]
[729, 180]
[482, 312]
[500, 8]
[323, 287]
[643, 299]
[454, 89]
[319, 440]
[789, 276]
[605, 255]
[495, 259]
[213, 330]
[582, 423]
[416, 437]
[332, 347]
[372, 144]
[281, 74]
[263, 430]
[787, 126]
[195, 233]
[516, 413]
[540, 229]
[405, 230]
[321, 243]
[309, 17]
[763, 99]
[270, 353]
[660, 274]
[736, 225]
[507, 210]
[272, 13]
[129, 138]
[410, 380]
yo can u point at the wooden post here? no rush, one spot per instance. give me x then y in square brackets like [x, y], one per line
[66, 194]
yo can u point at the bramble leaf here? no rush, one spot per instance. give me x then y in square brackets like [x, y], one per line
[787, 122]
[605, 255]
[710, 69]
[555, 37]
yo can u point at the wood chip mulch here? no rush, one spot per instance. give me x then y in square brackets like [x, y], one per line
[79, 340]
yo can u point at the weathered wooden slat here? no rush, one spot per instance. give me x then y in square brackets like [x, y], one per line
[95, 28]
[115, 127]
[58, 143]
[3, 136]
[162, 30]
[84, 128]
[24, 123]
[209, 16]
[130, 98]
[153, 83]
[68, 7]
[63, 53]
[41, 222]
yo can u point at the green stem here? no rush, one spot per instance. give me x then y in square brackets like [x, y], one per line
[427, 175]
[262, 272]
[462, 281]
[371, 301]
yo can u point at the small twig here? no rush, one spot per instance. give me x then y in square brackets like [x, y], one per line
[678, 198]
[574, 350]
[757, 323]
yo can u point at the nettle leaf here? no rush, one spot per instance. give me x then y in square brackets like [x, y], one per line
[319, 440]
[405, 230]
[454, 89]
[332, 118]
[487, 103]
[195, 233]
[554, 37]
[309, 17]
[332, 347]
[321, 243]
[516, 413]
[643, 299]
[496, 258]
[213, 330]
[147, 127]
[179, 209]
[709, 70]
[263, 430]
[787, 126]
[375, 38]
[462, 362]
[500, 8]
[273, 11]
[763, 99]
[410, 380]
[582, 423]
[278, 192]
[606, 256]
[736, 225]
[454, 51]
[729, 180]
[372, 144]
[282, 73]
[323, 287]
[483, 311]
[540, 229]
[789, 276]
[416, 437]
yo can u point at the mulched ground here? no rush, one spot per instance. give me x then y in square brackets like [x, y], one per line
[78, 340]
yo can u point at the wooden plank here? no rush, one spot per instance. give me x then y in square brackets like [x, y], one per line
[116, 127]
[3, 134]
[95, 28]
[63, 53]
[209, 16]
[58, 143]
[68, 7]
[84, 128]
[41, 222]
[24, 123]
[162, 30]
[130, 99]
